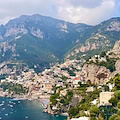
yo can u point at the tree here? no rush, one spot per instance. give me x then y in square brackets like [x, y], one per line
[99, 118]
[118, 105]
[117, 95]
[113, 117]
[73, 111]
[113, 100]
[102, 54]
[117, 118]
[117, 82]
[118, 112]
[94, 111]
[106, 88]
[93, 118]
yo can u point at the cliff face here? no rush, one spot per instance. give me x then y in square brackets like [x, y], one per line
[116, 48]
[97, 74]
[100, 74]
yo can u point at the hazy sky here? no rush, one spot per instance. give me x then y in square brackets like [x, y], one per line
[76, 11]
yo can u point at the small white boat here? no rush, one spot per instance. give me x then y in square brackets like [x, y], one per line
[6, 114]
[1, 104]
[26, 117]
[11, 105]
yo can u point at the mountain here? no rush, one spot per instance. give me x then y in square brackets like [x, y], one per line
[40, 41]
[103, 37]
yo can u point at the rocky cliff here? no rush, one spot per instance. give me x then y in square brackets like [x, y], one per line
[97, 74]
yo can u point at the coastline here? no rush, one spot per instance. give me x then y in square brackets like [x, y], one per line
[44, 102]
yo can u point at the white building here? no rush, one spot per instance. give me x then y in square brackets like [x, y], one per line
[105, 97]
[81, 118]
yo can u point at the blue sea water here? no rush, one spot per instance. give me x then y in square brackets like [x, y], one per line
[24, 110]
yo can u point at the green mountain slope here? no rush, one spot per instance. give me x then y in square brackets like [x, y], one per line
[103, 37]
[38, 40]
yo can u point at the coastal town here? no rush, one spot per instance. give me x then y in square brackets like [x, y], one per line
[74, 88]
[42, 85]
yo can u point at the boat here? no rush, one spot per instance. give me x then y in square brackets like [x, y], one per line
[26, 117]
[11, 105]
[1, 104]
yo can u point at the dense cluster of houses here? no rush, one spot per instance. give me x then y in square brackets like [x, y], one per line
[41, 85]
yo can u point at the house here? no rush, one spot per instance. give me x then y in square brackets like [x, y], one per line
[81, 118]
[95, 101]
[105, 97]
[48, 87]
[76, 81]
[63, 92]
[90, 89]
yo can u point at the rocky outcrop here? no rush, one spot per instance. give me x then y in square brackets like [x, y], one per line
[97, 74]
[117, 66]
[114, 26]
[48, 110]
[116, 48]
[14, 30]
[37, 32]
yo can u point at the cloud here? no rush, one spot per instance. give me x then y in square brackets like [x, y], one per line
[76, 11]
[82, 3]
[89, 15]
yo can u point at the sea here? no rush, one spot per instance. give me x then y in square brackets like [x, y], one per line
[13, 109]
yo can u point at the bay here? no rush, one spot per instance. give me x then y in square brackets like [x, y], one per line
[24, 110]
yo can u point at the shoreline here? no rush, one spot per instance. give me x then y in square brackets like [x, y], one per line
[43, 101]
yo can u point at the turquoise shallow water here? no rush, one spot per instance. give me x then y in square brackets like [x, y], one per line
[24, 110]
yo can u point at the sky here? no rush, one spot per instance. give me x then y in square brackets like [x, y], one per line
[90, 12]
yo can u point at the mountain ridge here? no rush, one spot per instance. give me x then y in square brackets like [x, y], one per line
[47, 40]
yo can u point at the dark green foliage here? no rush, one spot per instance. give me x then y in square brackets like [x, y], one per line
[94, 111]
[85, 103]
[102, 54]
[107, 111]
[117, 82]
[114, 101]
[53, 98]
[17, 88]
[65, 100]
[118, 105]
[64, 78]
[118, 112]
[106, 88]
[93, 118]
[117, 118]
[110, 64]
[117, 94]
[71, 73]
[2, 76]
[113, 117]
[73, 111]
